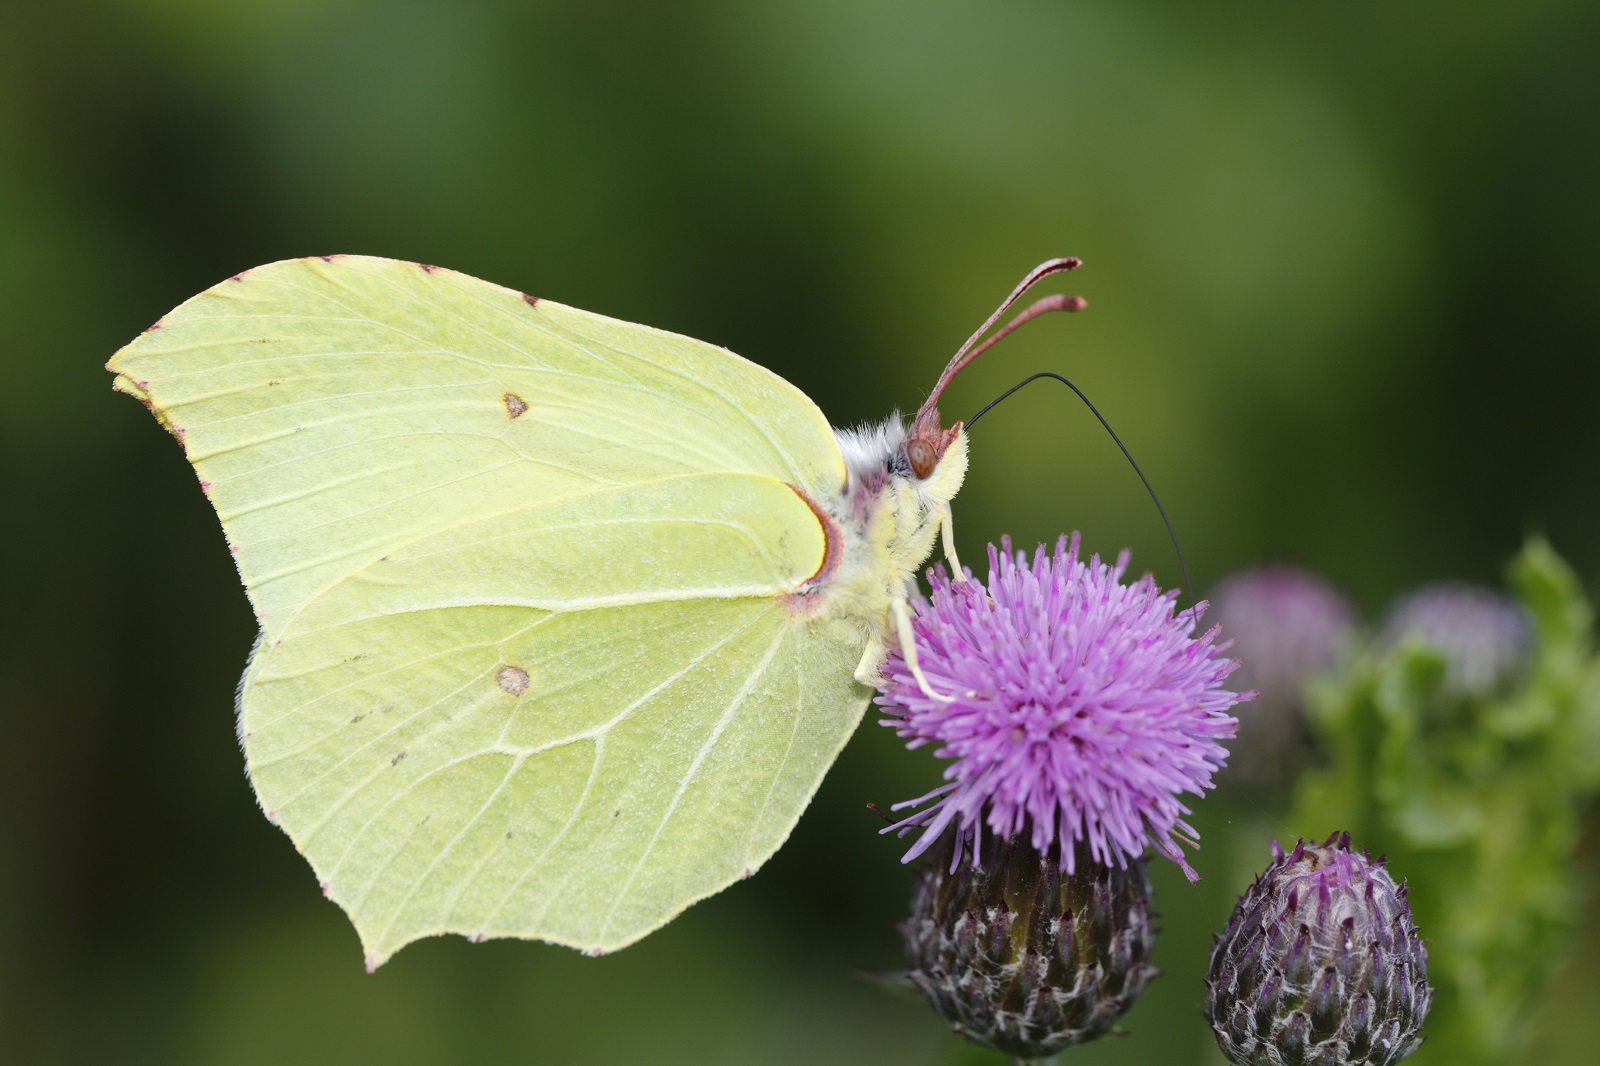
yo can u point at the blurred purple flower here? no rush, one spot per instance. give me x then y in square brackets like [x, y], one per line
[1484, 636]
[1287, 626]
[1075, 706]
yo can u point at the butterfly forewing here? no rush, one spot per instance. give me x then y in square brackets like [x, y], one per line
[338, 409]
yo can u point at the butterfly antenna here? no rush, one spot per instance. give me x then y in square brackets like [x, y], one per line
[1030, 379]
[972, 349]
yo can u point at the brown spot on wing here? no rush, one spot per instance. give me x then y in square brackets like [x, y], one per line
[427, 268]
[533, 301]
[516, 406]
[513, 680]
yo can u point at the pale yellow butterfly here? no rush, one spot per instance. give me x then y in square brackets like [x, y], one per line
[562, 618]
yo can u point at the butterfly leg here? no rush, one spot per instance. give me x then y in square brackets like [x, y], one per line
[947, 535]
[908, 647]
[869, 671]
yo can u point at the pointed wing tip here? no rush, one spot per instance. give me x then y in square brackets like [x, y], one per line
[123, 383]
[373, 954]
[140, 390]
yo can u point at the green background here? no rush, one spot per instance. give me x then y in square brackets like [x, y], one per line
[1341, 270]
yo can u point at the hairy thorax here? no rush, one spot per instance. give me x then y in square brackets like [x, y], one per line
[887, 521]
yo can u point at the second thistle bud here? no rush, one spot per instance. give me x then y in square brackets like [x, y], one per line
[1319, 964]
[1019, 955]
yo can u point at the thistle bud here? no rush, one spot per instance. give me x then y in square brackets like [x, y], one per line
[1020, 956]
[1320, 964]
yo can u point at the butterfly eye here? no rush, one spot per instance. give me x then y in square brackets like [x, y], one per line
[922, 457]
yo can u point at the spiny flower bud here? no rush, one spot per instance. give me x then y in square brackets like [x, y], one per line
[1020, 956]
[1320, 964]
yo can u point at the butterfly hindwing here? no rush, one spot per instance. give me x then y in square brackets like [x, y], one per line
[575, 754]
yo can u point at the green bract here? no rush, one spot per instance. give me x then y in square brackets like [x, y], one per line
[1477, 798]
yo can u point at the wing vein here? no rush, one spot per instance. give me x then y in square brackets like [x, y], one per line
[400, 908]
[694, 768]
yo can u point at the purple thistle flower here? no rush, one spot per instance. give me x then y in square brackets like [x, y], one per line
[1077, 706]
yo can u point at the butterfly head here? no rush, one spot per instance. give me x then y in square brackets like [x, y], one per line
[932, 458]
[926, 443]
[895, 448]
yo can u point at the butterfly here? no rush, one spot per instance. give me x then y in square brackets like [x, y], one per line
[562, 618]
